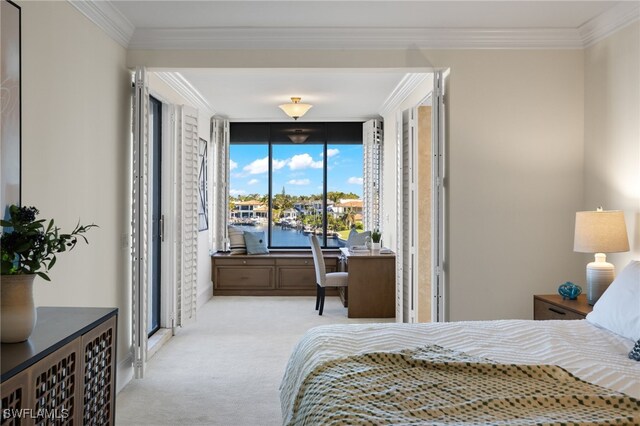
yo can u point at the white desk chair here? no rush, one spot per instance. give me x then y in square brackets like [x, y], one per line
[324, 279]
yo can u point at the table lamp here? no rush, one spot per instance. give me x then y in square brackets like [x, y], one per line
[600, 232]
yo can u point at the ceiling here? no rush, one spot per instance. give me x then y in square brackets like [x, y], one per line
[254, 95]
[244, 95]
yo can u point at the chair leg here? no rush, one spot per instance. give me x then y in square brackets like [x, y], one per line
[317, 296]
[322, 291]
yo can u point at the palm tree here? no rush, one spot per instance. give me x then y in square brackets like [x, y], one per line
[349, 218]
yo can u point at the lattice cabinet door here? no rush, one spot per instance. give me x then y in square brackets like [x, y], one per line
[54, 384]
[98, 366]
[15, 398]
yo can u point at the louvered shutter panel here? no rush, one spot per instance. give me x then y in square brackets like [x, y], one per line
[372, 173]
[439, 190]
[399, 212]
[187, 221]
[220, 196]
[139, 217]
[407, 215]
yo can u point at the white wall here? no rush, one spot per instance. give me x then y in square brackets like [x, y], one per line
[169, 95]
[514, 177]
[76, 154]
[612, 132]
[515, 161]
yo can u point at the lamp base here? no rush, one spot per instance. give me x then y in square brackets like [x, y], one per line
[599, 275]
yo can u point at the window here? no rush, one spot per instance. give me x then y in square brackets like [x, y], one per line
[290, 190]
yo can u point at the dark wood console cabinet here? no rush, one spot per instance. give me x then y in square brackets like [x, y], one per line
[65, 373]
[273, 274]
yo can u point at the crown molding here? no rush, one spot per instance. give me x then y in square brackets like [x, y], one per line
[614, 19]
[353, 38]
[404, 88]
[181, 85]
[108, 18]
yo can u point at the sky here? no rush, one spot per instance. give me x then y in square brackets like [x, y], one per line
[297, 168]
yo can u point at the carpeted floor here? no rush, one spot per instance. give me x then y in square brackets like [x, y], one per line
[226, 368]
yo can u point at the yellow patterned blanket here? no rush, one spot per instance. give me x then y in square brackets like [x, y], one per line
[437, 386]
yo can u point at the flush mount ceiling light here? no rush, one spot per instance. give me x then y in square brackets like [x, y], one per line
[298, 136]
[295, 109]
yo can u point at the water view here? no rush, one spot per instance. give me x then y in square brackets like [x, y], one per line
[297, 201]
[290, 237]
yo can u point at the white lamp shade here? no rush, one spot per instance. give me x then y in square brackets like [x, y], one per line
[295, 109]
[600, 232]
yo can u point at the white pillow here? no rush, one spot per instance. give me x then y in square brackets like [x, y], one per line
[236, 240]
[357, 238]
[618, 309]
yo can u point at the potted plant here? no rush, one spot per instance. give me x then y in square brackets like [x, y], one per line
[375, 239]
[28, 247]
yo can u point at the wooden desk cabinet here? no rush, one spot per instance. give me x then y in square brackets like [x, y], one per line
[372, 285]
[65, 373]
[553, 307]
[273, 274]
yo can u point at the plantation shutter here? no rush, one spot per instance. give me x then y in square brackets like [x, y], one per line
[407, 214]
[372, 173]
[187, 220]
[139, 209]
[400, 310]
[438, 191]
[220, 195]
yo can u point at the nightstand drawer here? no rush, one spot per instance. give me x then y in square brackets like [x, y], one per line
[547, 311]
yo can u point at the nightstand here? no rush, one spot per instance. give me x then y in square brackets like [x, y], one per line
[552, 307]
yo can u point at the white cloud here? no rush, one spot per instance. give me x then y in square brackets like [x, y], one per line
[261, 165]
[236, 192]
[278, 164]
[332, 151]
[253, 181]
[303, 161]
[232, 164]
[299, 182]
[355, 180]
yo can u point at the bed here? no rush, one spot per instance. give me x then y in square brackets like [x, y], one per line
[366, 373]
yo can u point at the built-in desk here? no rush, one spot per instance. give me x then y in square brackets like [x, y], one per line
[372, 283]
[279, 273]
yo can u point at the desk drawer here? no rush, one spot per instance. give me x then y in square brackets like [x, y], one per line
[295, 261]
[297, 278]
[244, 262]
[547, 311]
[238, 278]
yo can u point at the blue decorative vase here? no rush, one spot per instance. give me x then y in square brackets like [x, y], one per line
[569, 290]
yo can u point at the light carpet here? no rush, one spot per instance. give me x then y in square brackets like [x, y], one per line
[226, 368]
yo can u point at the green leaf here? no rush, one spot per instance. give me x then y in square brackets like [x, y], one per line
[43, 276]
[52, 262]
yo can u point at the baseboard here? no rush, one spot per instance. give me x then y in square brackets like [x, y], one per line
[124, 373]
[205, 295]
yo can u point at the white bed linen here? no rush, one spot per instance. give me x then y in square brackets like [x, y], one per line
[587, 351]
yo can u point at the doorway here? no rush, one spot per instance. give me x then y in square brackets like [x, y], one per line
[420, 154]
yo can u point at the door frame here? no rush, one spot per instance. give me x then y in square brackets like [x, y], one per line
[168, 245]
[439, 288]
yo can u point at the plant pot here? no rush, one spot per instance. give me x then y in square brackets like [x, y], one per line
[17, 311]
[376, 246]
